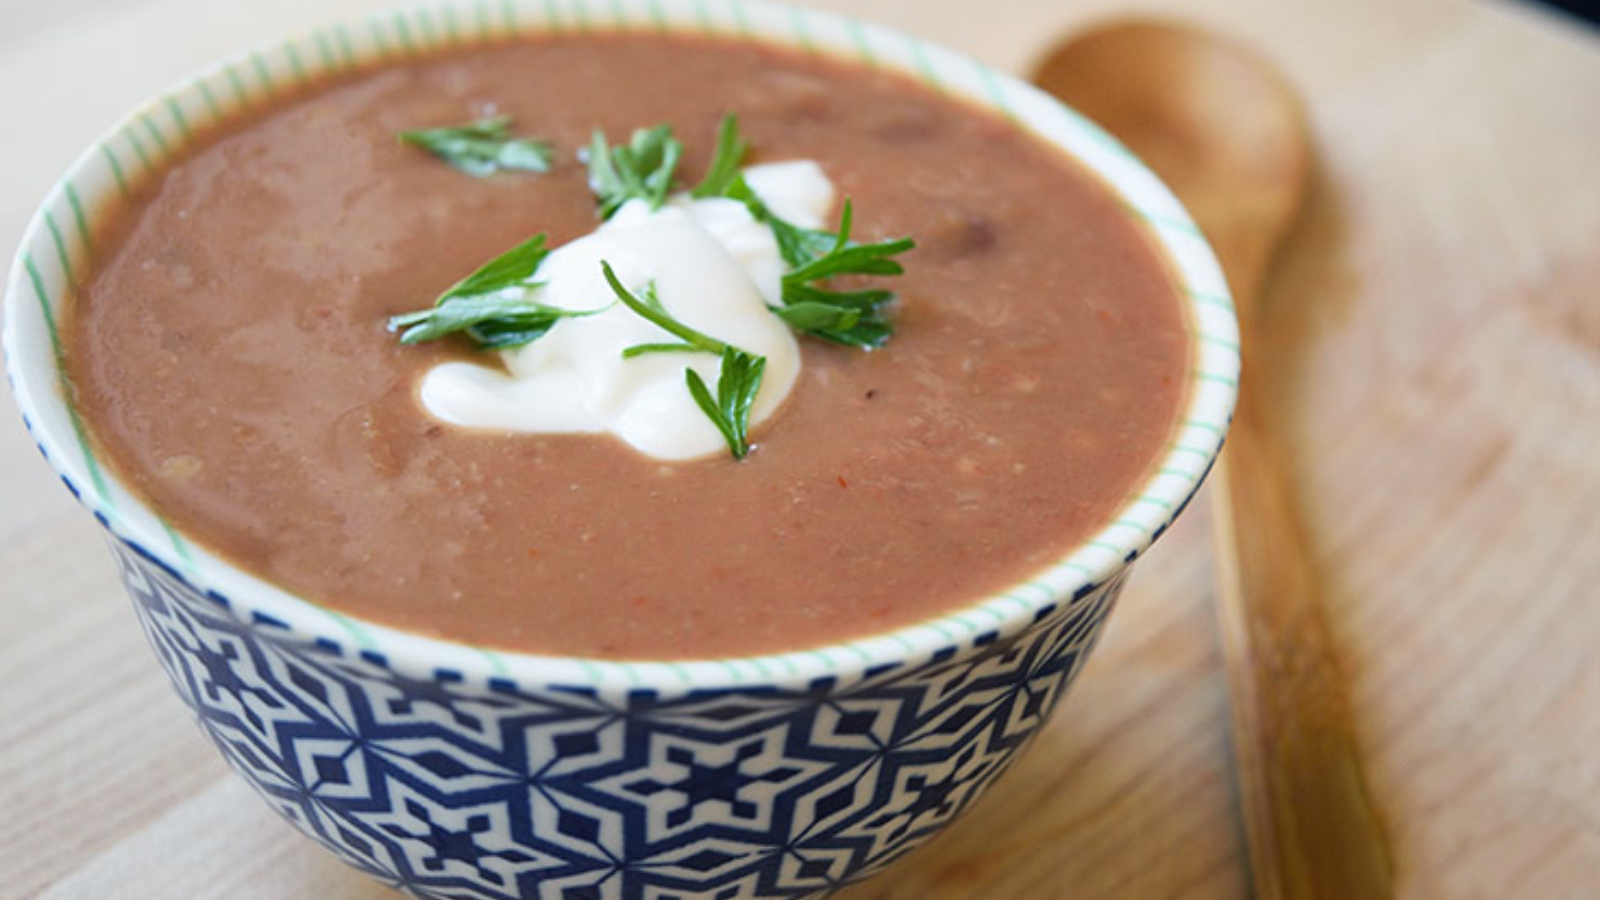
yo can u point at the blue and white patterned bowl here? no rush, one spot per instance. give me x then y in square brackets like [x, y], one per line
[454, 771]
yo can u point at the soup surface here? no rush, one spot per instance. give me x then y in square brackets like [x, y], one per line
[230, 355]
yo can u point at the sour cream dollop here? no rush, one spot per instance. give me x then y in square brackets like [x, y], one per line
[714, 268]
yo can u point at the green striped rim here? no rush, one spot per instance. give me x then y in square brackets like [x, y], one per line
[180, 120]
[497, 663]
[452, 28]
[426, 28]
[402, 33]
[132, 137]
[181, 547]
[208, 98]
[97, 477]
[552, 17]
[155, 134]
[1226, 380]
[863, 47]
[79, 220]
[357, 631]
[150, 139]
[924, 66]
[801, 32]
[296, 66]
[325, 53]
[702, 15]
[115, 165]
[346, 45]
[997, 97]
[258, 64]
[59, 244]
[380, 41]
[1160, 220]
[1225, 343]
[240, 95]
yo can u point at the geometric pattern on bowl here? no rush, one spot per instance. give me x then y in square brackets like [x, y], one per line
[498, 790]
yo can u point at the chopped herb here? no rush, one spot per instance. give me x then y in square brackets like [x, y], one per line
[725, 164]
[796, 245]
[494, 322]
[482, 148]
[648, 297]
[512, 268]
[641, 169]
[738, 381]
[642, 349]
[492, 305]
[854, 318]
[737, 385]
[650, 309]
[483, 305]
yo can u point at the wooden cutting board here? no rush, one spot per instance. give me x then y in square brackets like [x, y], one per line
[1444, 402]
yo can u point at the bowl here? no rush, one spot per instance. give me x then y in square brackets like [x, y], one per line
[453, 771]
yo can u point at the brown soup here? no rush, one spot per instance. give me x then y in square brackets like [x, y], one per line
[229, 353]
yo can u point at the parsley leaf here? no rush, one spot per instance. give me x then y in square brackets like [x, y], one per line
[738, 381]
[510, 269]
[729, 156]
[482, 304]
[642, 168]
[482, 147]
[650, 309]
[494, 322]
[854, 318]
[737, 386]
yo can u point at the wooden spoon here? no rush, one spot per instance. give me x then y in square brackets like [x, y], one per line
[1227, 135]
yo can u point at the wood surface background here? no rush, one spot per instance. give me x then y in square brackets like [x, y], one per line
[1436, 337]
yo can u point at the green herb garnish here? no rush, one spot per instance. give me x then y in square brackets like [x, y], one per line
[512, 268]
[855, 318]
[649, 308]
[642, 168]
[725, 163]
[737, 385]
[490, 305]
[482, 148]
[738, 381]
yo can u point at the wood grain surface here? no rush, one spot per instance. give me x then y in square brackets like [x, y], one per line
[1434, 328]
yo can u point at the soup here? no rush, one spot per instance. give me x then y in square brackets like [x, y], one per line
[229, 354]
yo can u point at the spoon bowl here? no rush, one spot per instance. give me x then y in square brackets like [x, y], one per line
[1220, 126]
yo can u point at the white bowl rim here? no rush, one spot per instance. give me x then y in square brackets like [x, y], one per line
[51, 248]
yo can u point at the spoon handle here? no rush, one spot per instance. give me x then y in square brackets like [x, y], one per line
[1311, 828]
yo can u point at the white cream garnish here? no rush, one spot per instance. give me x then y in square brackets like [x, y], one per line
[715, 269]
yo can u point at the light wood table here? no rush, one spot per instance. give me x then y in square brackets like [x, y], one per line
[1437, 338]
